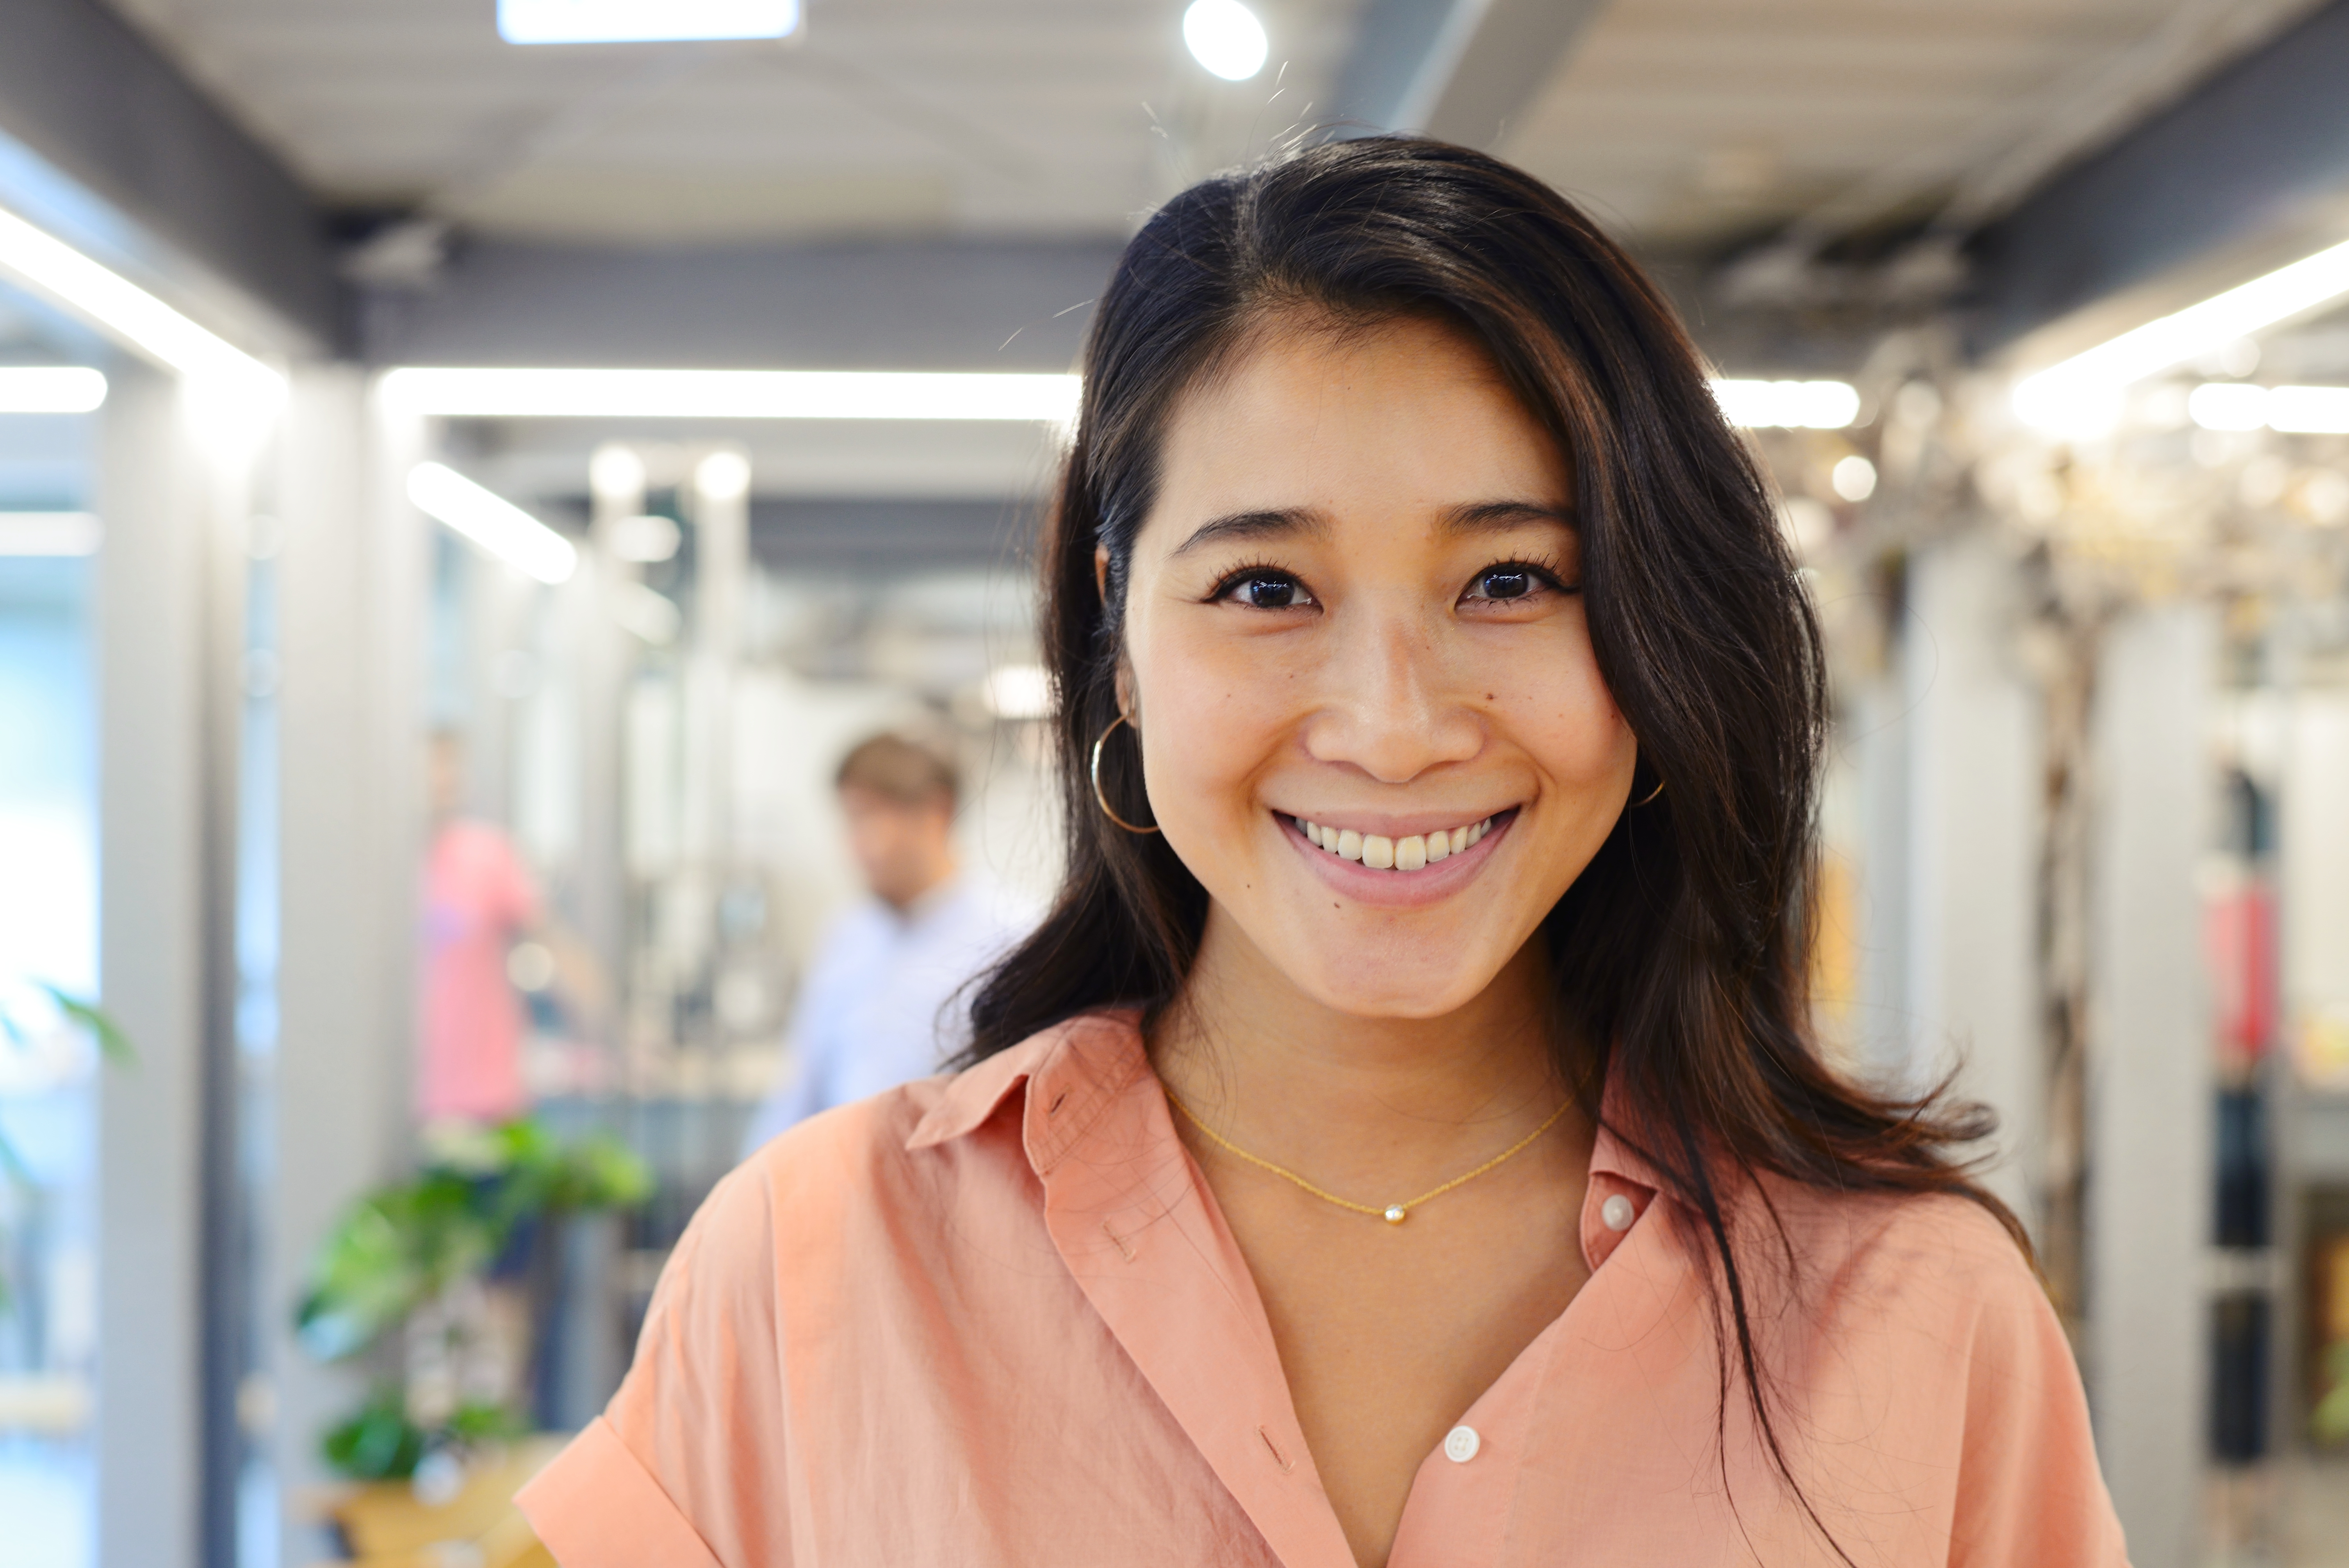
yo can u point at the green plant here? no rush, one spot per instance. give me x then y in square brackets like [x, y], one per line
[411, 1245]
[113, 1046]
[404, 1244]
[380, 1442]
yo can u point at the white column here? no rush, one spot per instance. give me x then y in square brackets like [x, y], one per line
[153, 575]
[2149, 1109]
[1973, 839]
[346, 576]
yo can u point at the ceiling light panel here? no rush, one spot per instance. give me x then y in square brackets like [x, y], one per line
[491, 522]
[644, 21]
[2081, 397]
[1225, 37]
[58, 272]
[1787, 405]
[50, 389]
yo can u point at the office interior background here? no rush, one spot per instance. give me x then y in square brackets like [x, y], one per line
[623, 429]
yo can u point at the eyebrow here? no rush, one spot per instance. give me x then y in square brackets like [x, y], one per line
[1284, 522]
[1290, 522]
[1491, 516]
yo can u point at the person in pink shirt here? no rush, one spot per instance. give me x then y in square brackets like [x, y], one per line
[1404, 1143]
[479, 901]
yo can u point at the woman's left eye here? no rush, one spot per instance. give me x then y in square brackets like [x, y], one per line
[1266, 591]
[1512, 580]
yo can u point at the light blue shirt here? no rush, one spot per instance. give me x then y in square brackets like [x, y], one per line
[872, 1013]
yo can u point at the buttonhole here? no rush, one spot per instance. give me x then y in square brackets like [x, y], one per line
[1277, 1456]
[1058, 1100]
[1130, 1253]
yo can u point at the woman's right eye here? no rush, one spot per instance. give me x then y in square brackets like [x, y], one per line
[1265, 590]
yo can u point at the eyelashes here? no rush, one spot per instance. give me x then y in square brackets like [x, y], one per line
[1547, 571]
[1255, 572]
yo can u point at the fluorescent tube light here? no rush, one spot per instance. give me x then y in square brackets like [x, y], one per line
[50, 389]
[2227, 405]
[646, 613]
[491, 522]
[646, 537]
[1225, 37]
[58, 271]
[2292, 410]
[48, 533]
[1018, 691]
[643, 21]
[1787, 405]
[515, 394]
[2082, 395]
[2309, 410]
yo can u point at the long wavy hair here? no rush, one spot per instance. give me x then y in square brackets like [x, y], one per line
[1680, 953]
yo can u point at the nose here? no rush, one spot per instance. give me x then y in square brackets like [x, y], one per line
[1388, 704]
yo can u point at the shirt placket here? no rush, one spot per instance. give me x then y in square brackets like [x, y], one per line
[1122, 1204]
[1464, 1497]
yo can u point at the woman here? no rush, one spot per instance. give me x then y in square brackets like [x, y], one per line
[1403, 1141]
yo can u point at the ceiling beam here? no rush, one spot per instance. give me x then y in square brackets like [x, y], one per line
[1464, 70]
[886, 305]
[2256, 155]
[106, 144]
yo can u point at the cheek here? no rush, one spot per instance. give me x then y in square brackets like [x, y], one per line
[1560, 711]
[1212, 714]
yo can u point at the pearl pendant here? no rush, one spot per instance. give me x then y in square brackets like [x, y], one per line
[1396, 1215]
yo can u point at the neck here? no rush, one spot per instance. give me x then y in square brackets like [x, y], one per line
[941, 872]
[1365, 1101]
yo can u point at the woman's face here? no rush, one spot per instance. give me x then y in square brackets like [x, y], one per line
[1355, 605]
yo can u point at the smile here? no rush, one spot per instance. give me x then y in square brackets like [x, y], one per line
[1380, 854]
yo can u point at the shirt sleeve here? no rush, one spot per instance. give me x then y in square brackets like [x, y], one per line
[686, 1467]
[2030, 1494]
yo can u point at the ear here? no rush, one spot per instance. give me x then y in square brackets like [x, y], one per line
[1100, 572]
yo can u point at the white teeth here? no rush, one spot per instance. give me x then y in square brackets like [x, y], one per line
[1413, 852]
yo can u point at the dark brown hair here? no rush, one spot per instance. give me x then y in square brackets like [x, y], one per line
[901, 771]
[1680, 954]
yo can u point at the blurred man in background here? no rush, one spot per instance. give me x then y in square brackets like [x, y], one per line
[874, 1011]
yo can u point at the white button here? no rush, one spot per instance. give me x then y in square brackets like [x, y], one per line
[1461, 1443]
[1618, 1213]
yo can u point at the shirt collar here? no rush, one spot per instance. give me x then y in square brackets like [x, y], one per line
[1069, 1072]
[1073, 1072]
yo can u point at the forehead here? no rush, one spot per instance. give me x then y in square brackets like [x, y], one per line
[1408, 413]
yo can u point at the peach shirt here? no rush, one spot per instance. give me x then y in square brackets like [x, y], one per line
[997, 1319]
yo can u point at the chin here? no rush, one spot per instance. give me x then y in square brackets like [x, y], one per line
[1441, 993]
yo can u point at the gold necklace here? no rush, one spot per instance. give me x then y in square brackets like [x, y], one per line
[1394, 1213]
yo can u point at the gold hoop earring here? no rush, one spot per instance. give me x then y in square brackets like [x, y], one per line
[1650, 796]
[1102, 800]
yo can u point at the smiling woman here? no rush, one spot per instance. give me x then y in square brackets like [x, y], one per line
[1403, 1142]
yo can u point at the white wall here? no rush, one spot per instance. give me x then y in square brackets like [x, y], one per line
[1946, 756]
[2149, 1182]
[1977, 796]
